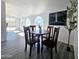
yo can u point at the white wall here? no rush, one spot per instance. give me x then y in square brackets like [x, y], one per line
[3, 22]
[76, 43]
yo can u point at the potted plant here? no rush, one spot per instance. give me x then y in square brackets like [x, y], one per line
[71, 18]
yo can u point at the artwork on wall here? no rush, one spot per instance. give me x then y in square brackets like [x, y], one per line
[58, 18]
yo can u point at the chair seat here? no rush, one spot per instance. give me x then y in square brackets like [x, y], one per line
[33, 41]
[47, 37]
[48, 43]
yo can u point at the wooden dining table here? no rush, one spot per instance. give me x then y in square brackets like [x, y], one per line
[39, 34]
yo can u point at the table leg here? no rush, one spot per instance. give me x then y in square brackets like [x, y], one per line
[41, 44]
[38, 44]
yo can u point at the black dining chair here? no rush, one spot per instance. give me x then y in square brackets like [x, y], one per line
[47, 36]
[52, 42]
[28, 39]
[32, 27]
[50, 30]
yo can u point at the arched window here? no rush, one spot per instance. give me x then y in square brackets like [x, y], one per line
[39, 21]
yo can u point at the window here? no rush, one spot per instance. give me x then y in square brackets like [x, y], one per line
[11, 21]
[24, 22]
[39, 21]
[27, 22]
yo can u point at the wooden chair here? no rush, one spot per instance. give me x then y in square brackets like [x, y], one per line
[50, 30]
[28, 39]
[32, 27]
[51, 43]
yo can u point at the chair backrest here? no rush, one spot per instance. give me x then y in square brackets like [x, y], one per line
[32, 27]
[27, 33]
[50, 30]
[55, 35]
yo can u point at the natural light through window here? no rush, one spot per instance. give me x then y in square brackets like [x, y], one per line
[39, 21]
[24, 22]
[27, 22]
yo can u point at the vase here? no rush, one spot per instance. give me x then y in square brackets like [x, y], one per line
[39, 29]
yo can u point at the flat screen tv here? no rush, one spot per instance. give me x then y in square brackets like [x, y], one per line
[58, 18]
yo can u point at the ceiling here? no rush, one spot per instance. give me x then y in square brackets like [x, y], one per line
[33, 7]
[25, 2]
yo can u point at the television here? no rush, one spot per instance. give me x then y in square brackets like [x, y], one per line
[58, 18]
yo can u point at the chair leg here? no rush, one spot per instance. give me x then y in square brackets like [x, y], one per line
[51, 54]
[41, 48]
[25, 46]
[56, 48]
[30, 50]
[41, 44]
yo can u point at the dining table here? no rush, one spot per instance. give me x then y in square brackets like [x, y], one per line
[39, 34]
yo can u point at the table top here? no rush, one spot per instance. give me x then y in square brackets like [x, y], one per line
[41, 32]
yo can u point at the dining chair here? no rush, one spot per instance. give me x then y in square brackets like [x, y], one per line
[50, 30]
[28, 40]
[47, 36]
[52, 42]
[32, 27]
